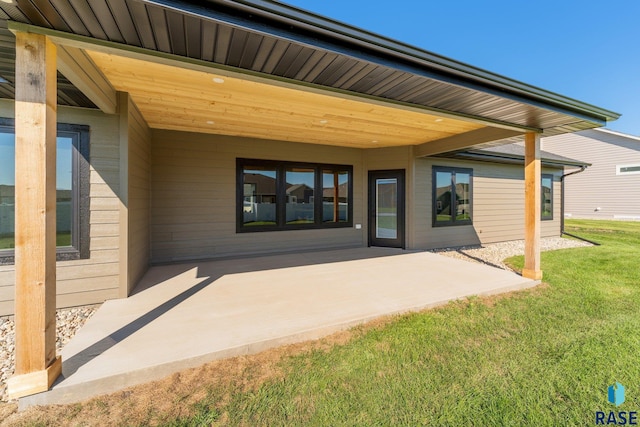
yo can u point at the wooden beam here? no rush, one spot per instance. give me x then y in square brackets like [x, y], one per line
[464, 140]
[35, 216]
[80, 70]
[532, 196]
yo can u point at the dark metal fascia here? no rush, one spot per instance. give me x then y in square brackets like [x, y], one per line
[505, 158]
[442, 68]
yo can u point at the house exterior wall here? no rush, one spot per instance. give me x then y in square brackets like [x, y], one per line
[138, 210]
[95, 279]
[193, 213]
[497, 207]
[194, 189]
[390, 158]
[616, 196]
[166, 196]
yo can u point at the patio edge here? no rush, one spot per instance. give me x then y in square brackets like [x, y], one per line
[120, 382]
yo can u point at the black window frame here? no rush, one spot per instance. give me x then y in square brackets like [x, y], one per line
[281, 168]
[544, 217]
[80, 136]
[453, 221]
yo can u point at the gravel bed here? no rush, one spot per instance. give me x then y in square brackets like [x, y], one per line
[493, 254]
[71, 319]
[68, 321]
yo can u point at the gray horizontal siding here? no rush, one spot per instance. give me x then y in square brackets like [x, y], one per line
[93, 280]
[498, 206]
[599, 186]
[194, 197]
[139, 196]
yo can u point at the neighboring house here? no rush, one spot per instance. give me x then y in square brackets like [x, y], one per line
[610, 187]
[197, 130]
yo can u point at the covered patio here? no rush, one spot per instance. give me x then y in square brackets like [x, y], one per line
[184, 315]
[178, 101]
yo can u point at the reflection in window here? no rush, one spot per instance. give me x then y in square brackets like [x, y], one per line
[463, 196]
[64, 193]
[452, 197]
[300, 183]
[275, 195]
[259, 186]
[443, 196]
[7, 188]
[387, 208]
[547, 197]
[335, 196]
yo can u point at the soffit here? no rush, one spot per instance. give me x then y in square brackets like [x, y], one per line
[222, 32]
[68, 94]
[189, 100]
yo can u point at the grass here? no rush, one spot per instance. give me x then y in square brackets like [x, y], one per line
[62, 239]
[540, 357]
[445, 218]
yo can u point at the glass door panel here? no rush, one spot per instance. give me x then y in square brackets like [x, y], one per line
[387, 208]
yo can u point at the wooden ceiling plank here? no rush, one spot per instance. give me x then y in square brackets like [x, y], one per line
[260, 134]
[280, 123]
[245, 111]
[167, 82]
[171, 97]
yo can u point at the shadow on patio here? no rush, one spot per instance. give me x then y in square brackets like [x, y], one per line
[184, 315]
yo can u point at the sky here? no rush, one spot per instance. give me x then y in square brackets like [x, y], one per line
[583, 49]
[63, 161]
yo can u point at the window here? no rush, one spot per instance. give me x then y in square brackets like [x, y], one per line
[291, 196]
[72, 187]
[547, 197]
[627, 169]
[452, 196]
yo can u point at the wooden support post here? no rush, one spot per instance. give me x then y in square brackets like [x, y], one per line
[37, 365]
[532, 197]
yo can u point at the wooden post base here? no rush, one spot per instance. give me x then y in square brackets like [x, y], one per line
[34, 382]
[532, 274]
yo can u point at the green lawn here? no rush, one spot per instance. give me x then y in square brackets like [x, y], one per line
[541, 357]
[62, 239]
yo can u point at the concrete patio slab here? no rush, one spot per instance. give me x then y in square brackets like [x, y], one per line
[184, 315]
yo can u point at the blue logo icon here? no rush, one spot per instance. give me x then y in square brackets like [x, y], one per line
[616, 394]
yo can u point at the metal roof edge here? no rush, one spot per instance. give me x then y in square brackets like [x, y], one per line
[506, 158]
[613, 132]
[294, 16]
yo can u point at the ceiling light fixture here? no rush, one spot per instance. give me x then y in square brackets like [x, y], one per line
[211, 122]
[218, 80]
[439, 120]
[324, 122]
